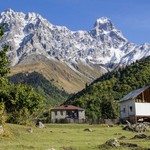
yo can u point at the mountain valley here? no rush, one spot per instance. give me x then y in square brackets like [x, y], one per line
[70, 59]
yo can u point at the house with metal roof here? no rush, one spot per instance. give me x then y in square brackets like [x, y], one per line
[136, 105]
[67, 114]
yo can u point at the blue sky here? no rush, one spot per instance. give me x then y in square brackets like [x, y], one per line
[132, 17]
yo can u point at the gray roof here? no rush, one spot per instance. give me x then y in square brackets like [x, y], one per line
[134, 94]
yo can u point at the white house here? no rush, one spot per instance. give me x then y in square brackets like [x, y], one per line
[68, 114]
[136, 105]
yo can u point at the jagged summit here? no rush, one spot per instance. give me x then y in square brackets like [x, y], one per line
[104, 45]
[9, 10]
[104, 23]
[103, 20]
[104, 29]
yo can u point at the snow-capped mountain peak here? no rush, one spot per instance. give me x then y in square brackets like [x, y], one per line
[103, 45]
[104, 23]
[9, 11]
[103, 20]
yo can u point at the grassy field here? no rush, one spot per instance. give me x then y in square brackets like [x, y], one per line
[65, 137]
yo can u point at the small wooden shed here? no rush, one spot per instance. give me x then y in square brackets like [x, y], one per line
[67, 114]
[136, 105]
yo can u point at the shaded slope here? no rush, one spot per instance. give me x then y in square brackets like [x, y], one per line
[53, 96]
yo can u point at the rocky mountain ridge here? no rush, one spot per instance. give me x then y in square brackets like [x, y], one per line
[103, 45]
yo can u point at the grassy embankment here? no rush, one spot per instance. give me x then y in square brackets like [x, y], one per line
[65, 137]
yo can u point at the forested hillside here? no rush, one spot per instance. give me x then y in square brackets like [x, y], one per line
[53, 96]
[100, 98]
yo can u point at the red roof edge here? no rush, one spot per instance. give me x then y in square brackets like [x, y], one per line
[67, 107]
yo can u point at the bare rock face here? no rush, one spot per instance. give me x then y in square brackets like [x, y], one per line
[131, 145]
[122, 137]
[88, 129]
[103, 45]
[40, 125]
[140, 136]
[30, 130]
[113, 142]
[138, 127]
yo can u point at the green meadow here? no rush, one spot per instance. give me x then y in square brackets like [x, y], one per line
[66, 137]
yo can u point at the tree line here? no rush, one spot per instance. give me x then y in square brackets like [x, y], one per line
[51, 94]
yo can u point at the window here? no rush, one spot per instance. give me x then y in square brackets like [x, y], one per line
[55, 113]
[131, 109]
[61, 112]
[124, 110]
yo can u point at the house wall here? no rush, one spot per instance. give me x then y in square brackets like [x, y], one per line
[59, 115]
[81, 114]
[56, 114]
[127, 109]
[142, 109]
